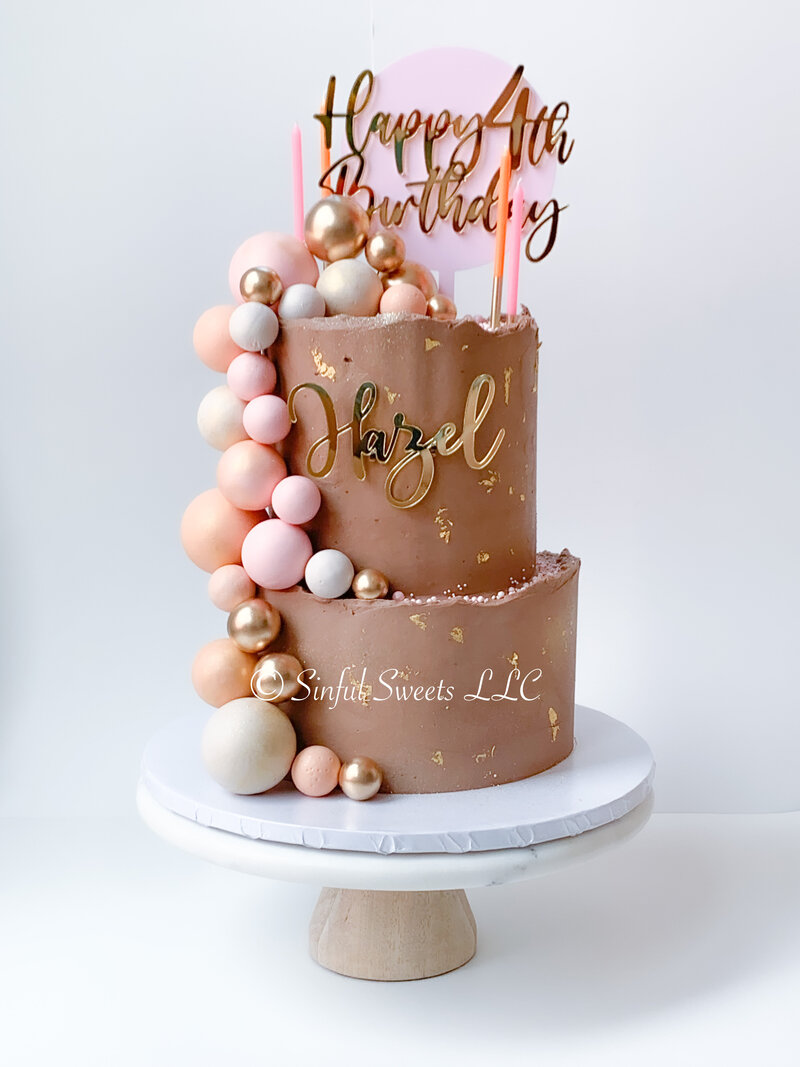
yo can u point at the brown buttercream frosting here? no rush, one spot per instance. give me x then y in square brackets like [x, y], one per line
[402, 681]
[475, 529]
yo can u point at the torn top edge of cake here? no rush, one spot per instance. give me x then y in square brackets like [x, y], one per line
[522, 321]
[552, 570]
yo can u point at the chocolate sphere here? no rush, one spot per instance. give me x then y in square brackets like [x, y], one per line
[222, 672]
[403, 297]
[261, 284]
[441, 307]
[385, 251]
[276, 677]
[412, 274]
[213, 530]
[360, 778]
[248, 746]
[350, 287]
[254, 624]
[315, 770]
[370, 584]
[336, 228]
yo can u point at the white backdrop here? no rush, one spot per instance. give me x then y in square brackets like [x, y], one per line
[143, 142]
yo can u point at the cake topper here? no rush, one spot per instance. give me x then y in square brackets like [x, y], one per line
[421, 145]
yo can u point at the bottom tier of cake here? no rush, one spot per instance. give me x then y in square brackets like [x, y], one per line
[446, 693]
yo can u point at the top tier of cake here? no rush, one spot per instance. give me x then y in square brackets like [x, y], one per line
[422, 435]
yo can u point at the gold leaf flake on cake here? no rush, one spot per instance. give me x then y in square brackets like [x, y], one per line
[364, 689]
[507, 384]
[420, 620]
[481, 756]
[513, 659]
[457, 633]
[522, 497]
[438, 758]
[390, 396]
[405, 673]
[555, 726]
[490, 481]
[445, 525]
[464, 348]
[430, 344]
[323, 369]
[482, 557]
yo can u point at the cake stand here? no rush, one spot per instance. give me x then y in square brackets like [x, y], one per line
[395, 868]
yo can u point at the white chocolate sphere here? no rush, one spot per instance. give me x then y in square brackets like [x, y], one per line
[350, 287]
[301, 301]
[248, 745]
[219, 418]
[329, 572]
[253, 326]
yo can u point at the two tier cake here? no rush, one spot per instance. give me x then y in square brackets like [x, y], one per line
[372, 537]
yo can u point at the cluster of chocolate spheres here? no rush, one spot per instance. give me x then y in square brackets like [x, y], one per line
[337, 230]
[249, 743]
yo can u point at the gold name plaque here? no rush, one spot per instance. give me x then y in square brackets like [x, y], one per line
[405, 444]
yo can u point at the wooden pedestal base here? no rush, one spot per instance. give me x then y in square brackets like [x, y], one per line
[392, 936]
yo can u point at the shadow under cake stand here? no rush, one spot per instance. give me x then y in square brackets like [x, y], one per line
[395, 868]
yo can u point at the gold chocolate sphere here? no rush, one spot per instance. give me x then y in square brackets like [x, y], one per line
[441, 307]
[385, 251]
[262, 285]
[276, 677]
[360, 778]
[412, 274]
[254, 624]
[336, 228]
[370, 584]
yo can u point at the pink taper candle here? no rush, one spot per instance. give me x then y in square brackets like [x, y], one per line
[297, 182]
[514, 246]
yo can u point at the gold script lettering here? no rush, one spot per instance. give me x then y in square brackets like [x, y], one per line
[372, 443]
[532, 134]
[473, 417]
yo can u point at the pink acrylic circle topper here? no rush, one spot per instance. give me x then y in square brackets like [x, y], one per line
[464, 83]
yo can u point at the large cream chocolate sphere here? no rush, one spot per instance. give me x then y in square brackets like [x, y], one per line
[350, 287]
[248, 745]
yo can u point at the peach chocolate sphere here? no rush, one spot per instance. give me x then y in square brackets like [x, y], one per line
[228, 586]
[404, 297]
[315, 771]
[288, 257]
[213, 530]
[212, 339]
[248, 472]
[221, 672]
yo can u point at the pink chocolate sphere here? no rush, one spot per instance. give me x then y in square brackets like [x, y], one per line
[222, 672]
[212, 530]
[403, 297]
[212, 341]
[251, 375]
[296, 499]
[287, 256]
[229, 586]
[315, 770]
[248, 472]
[266, 419]
[275, 554]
